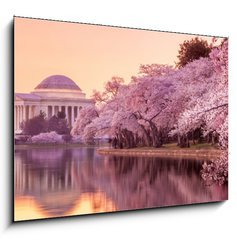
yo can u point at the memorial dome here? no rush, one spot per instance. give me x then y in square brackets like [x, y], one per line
[58, 82]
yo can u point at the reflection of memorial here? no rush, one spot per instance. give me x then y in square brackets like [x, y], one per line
[47, 169]
[52, 183]
[78, 181]
[45, 172]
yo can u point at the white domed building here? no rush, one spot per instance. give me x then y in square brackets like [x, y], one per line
[55, 93]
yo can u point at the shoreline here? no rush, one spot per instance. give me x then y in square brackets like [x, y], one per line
[51, 145]
[209, 154]
[201, 154]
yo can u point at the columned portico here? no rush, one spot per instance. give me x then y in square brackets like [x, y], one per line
[55, 93]
[22, 113]
[26, 112]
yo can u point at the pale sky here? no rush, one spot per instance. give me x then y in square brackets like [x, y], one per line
[88, 54]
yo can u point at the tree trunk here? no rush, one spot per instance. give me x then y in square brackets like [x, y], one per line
[193, 137]
[147, 139]
[155, 135]
[184, 141]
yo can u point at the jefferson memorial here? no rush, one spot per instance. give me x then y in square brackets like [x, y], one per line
[55, 93]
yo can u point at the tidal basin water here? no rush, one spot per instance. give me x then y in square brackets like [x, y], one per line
[59, 181]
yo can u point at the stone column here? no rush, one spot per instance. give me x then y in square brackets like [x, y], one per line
[20, 116]
[24, 113]
[66, 112]
[73, 116]
[70, 115]
[14, 117]
[17, 117]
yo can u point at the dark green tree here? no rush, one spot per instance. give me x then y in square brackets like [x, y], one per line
[61, 115]
[191, 50]
[58, 124]
[35, 125]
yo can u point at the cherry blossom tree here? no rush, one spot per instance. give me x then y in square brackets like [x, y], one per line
[217, 118]
[86, 116]
[207, 105]
[163, 102]
[155, 70]
[192, 82]
[49, 137]
[111, 90]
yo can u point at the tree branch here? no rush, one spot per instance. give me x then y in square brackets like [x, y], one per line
[213, 108]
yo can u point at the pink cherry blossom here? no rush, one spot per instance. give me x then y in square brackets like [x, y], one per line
[162, 103]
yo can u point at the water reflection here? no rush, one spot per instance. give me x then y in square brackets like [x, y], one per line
[53, 182]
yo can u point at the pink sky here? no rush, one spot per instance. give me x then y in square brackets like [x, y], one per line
[88, 54]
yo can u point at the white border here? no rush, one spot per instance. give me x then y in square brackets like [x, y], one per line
[210, 221]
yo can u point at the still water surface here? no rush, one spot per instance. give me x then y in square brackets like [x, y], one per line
[53, 182]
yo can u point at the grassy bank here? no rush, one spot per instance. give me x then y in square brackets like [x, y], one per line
[197, 151]
[206, 146]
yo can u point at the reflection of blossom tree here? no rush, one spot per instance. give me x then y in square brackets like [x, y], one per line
[158, 182]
